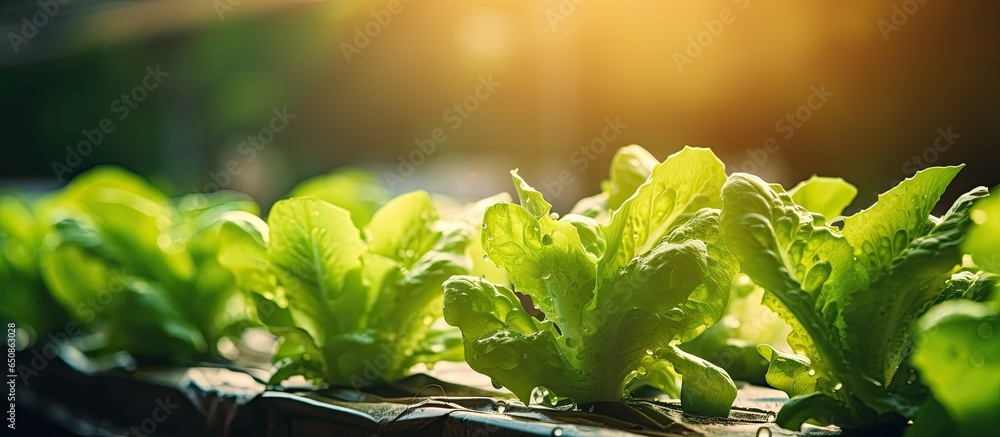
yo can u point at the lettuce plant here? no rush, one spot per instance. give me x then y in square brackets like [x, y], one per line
[630, 167]
[617, 298]
[27, 301]
[356, 190]
[851, 294]
[958, 348]
[352, 306]
[732, 343]
[140, 269]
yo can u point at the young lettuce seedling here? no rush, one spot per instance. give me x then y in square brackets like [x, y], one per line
[851, 295]
[353, 306]
[617, 298]
[140, 268]
[26, 300]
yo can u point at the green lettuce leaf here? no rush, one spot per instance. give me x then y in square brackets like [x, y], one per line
[827, 196]
[958, 356]
[27, 301]
[358, 191]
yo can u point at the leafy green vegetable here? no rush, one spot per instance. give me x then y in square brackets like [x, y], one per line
[851, 296]
[732, 343]
[141, 269]
[958, 355]
[957, 351]
[617, 298]
[356, 190]
[983, 241]
[352, 306]
[630, 167]
[27, 301]
[827, 196]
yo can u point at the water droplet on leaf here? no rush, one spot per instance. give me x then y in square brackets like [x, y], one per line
[977, 359]
[984, 330]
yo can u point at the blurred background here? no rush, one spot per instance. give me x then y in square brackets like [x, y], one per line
[256, 95]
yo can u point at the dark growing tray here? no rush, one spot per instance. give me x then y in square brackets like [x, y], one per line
[215, 401]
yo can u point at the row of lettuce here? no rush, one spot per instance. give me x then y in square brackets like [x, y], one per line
[675, 276]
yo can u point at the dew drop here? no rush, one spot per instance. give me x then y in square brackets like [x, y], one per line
[163, 240]
[557, 432]
[984, 330]
[497, 386]
[484, 225]
[977, 359]
[524, 356]
[546, 239]
[163, 222]
[812, 372]
[979, 216]
[771, 417]
[486, 258]
[649, 352]
[571, 342]
[838, 386]
[763, 432]
[501, 406]
[554, 216]
[635, 235]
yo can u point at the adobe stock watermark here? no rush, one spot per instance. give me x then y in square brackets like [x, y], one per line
[697, 44]
[374, 367]
[365, 33]
[455, 116]
[86, 311]
[900, 15]
[222, 7]
[931, 154]
[161, 412]
[583, 156]
[31, 27]
[249, 149]
[792, 121]
[562, 12]
[123, 107]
